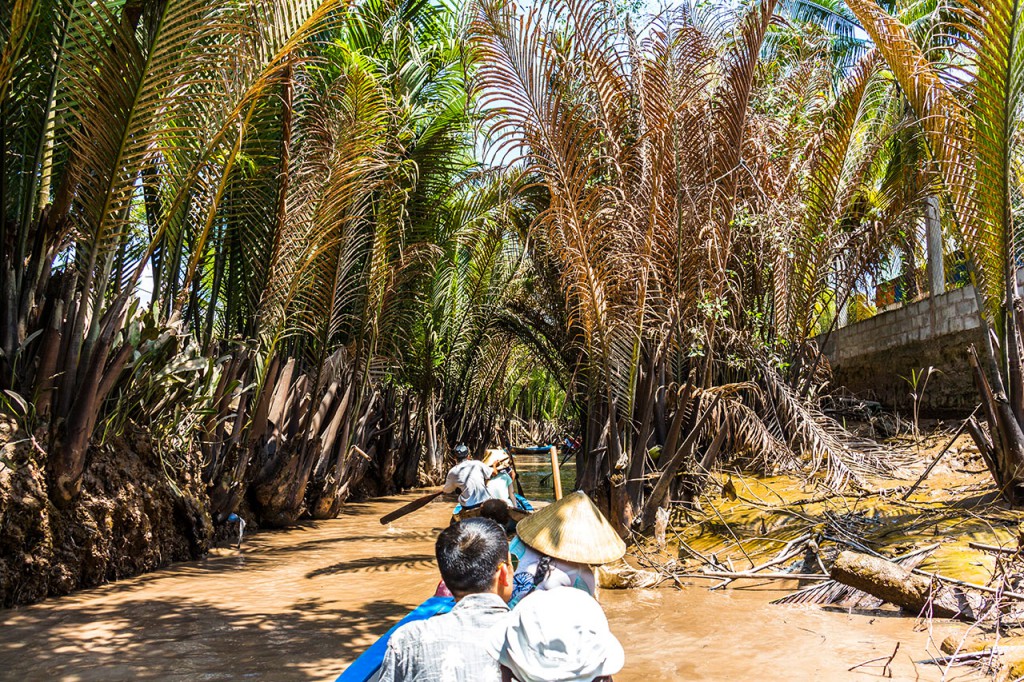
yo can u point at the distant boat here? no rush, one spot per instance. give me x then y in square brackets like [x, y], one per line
[531, 450]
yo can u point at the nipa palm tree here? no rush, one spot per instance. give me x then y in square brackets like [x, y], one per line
[644, 145]
[111, 112]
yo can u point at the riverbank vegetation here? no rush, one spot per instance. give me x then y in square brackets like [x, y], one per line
[295, 250]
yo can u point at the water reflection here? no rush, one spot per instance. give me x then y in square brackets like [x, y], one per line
[535, 475]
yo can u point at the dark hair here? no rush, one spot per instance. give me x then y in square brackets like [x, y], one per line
[496, 510]
[543, 570]
[469, 553]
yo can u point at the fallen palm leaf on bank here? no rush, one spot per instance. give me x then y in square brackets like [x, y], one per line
[625, 577]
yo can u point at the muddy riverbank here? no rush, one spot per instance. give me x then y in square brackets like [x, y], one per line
[301, 604]
[136, 513]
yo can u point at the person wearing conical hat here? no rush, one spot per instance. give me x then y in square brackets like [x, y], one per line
[499, 487]
[559, 546]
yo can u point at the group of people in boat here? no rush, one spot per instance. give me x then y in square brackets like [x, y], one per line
[480, 480]
[525, 609]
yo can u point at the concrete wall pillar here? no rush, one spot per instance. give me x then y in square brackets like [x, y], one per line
[933, 243]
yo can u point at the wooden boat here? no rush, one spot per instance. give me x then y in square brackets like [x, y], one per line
[530, 450]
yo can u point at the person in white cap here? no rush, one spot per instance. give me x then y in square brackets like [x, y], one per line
[469, 477]
[558, 635]
[559, 544]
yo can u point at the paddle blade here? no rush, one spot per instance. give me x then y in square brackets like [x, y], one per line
[409, 508]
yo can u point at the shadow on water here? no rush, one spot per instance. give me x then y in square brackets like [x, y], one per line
[184, 639]
[376, 564]
[293, 605]
[419, 536]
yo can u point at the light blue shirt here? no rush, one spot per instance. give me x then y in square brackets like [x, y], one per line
[446, 648]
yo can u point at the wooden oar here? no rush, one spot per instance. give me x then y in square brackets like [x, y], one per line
[545, 477]
[507, 445]
[515, 472]
[409, 508]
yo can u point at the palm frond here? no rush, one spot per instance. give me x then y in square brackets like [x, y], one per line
[829, 447]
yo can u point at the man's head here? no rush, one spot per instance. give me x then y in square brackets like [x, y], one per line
[473, 558]
[461, 452]
[496, 510]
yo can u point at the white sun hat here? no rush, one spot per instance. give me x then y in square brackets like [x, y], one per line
[558, 635]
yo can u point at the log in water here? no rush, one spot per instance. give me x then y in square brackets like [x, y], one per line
[301, 604]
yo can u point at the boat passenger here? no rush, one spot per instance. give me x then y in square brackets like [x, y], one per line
[476, 566]
[497, 511]
[469, 477]
[235, 518]
[499, 487]
[560, 544]
[559, 635]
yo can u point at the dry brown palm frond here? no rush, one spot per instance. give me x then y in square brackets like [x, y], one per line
[832, 173]
[522, 59]
[730, 109]
[644, 145]
[843, 456]
[633, 245]
[749, 437]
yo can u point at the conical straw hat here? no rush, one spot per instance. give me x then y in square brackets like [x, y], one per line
[572, 529]
[496, 457]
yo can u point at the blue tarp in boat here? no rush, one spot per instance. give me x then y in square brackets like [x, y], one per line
[522, 504]
[364, 667]
[532, 450]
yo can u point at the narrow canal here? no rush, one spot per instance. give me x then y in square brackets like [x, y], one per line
[301, 604]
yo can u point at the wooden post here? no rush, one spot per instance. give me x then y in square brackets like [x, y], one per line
[555, 475]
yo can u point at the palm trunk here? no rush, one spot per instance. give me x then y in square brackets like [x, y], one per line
[1004, 451]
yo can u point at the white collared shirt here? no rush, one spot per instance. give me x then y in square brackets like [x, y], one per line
[469, 476]
[446, 648]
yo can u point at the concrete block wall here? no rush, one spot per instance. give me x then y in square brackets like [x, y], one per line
[873, 358]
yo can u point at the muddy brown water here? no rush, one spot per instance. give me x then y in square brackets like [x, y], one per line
[535, 475]
[301, 604]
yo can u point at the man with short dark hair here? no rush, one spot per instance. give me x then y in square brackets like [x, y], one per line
[476, 566]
